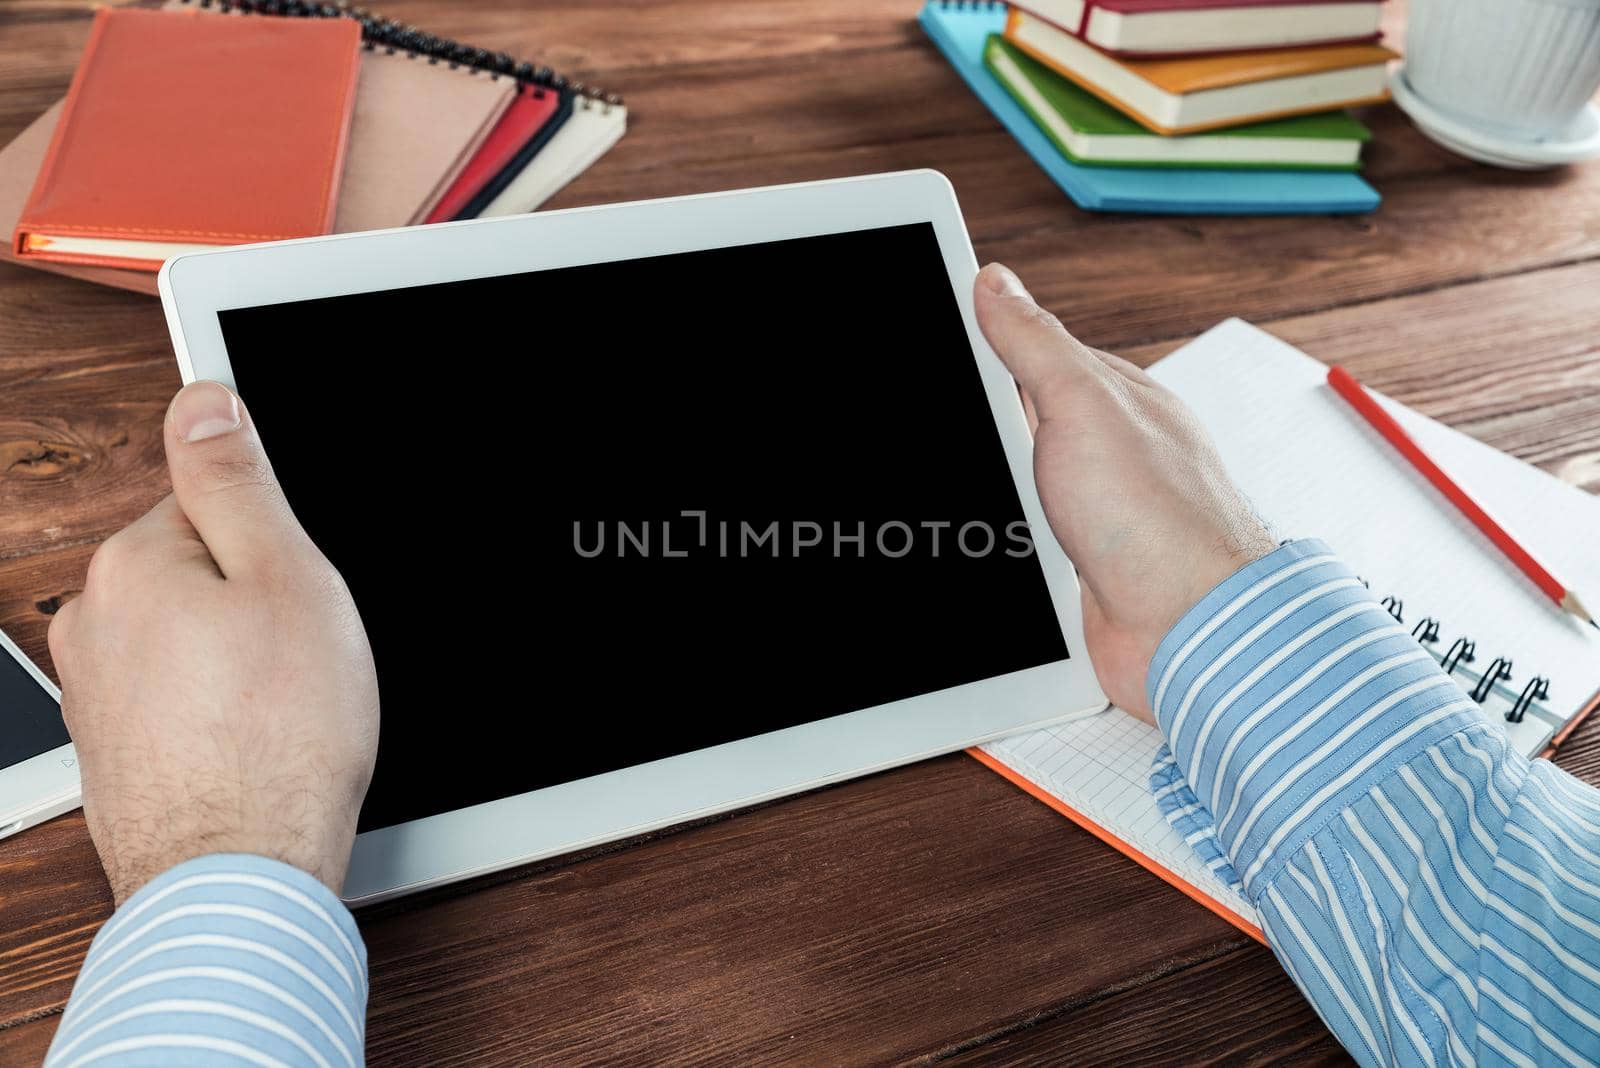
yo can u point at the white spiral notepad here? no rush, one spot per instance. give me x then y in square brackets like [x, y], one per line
[1314, 468]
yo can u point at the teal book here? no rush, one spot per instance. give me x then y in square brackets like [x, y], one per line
[961, 27]
[1088, 130]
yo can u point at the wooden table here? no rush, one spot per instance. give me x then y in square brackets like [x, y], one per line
[932, 912]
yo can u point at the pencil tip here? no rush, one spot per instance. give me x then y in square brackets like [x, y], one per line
[1570, 603]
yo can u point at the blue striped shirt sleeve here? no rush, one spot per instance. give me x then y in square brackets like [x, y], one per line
[226, 959]
[1434, 894]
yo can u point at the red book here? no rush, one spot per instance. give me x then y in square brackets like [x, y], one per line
[522, 120]
[182, 131]
[1189, 27]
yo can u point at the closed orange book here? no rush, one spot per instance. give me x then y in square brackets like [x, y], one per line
[1189, 94]
[183, 132]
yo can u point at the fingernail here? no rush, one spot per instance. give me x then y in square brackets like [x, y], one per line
[1002, 282]
[204, 410]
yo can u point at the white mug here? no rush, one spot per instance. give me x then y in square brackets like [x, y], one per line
[1523, 69]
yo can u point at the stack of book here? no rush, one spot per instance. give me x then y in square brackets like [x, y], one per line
[215, 122]
[1242, 93]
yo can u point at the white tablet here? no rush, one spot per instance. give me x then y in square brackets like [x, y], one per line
[38, 766]
[651, 510]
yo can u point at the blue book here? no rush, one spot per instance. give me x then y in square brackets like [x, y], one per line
[960, 28]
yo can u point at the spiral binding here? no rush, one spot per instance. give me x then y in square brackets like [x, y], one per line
[1464, 651]
[398, 37]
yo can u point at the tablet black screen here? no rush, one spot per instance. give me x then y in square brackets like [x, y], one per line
[500, 468]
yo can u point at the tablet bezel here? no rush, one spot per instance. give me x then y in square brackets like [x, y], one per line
[46, 784]
[498, 834]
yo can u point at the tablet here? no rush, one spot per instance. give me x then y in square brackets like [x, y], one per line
[651, 510]
[38, 766]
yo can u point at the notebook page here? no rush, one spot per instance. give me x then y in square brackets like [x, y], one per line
[1100, 767]
[1314, 468]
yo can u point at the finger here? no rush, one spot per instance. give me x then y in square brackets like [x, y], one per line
[1131, 371]
[163, 522]
[164, 532]
[1029, 412]
[1047, 362]
[221, 479]
[59, 637]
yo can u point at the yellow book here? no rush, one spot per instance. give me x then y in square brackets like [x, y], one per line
[1188, 94]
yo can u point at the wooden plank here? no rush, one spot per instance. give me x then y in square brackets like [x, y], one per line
[799, 930]
[1087, 266]
[81, 456]
[53, 896]
[54, 899]
[886, 100]
[1238, 1009]
[810, 922]
[1431, 233]
[834, 72]
[1580, 754]
[857, 924]
[1510, 361]
[58, 328]
[32, 587]
[1470, 352]
[26, 1043]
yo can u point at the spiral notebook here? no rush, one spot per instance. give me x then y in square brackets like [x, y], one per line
[595, 125]
[527, 123]
[1314, 468]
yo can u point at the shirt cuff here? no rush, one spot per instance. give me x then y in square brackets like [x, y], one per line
[1287, 693]
[220, 959]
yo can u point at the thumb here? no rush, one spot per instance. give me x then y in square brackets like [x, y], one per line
[222, 480]
[1047, 362]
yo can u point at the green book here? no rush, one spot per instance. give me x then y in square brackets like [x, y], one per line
[1088, 130]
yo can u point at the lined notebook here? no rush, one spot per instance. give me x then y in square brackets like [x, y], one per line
[1314, 468]
[959, 28]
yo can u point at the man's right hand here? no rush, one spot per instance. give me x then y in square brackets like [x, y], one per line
[1131, 485]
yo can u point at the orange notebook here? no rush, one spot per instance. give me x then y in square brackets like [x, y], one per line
[183, 132]
[1186, 95]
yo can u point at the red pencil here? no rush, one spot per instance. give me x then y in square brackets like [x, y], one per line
[1384, 423]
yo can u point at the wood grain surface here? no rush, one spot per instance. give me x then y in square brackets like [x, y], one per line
[927, 913]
